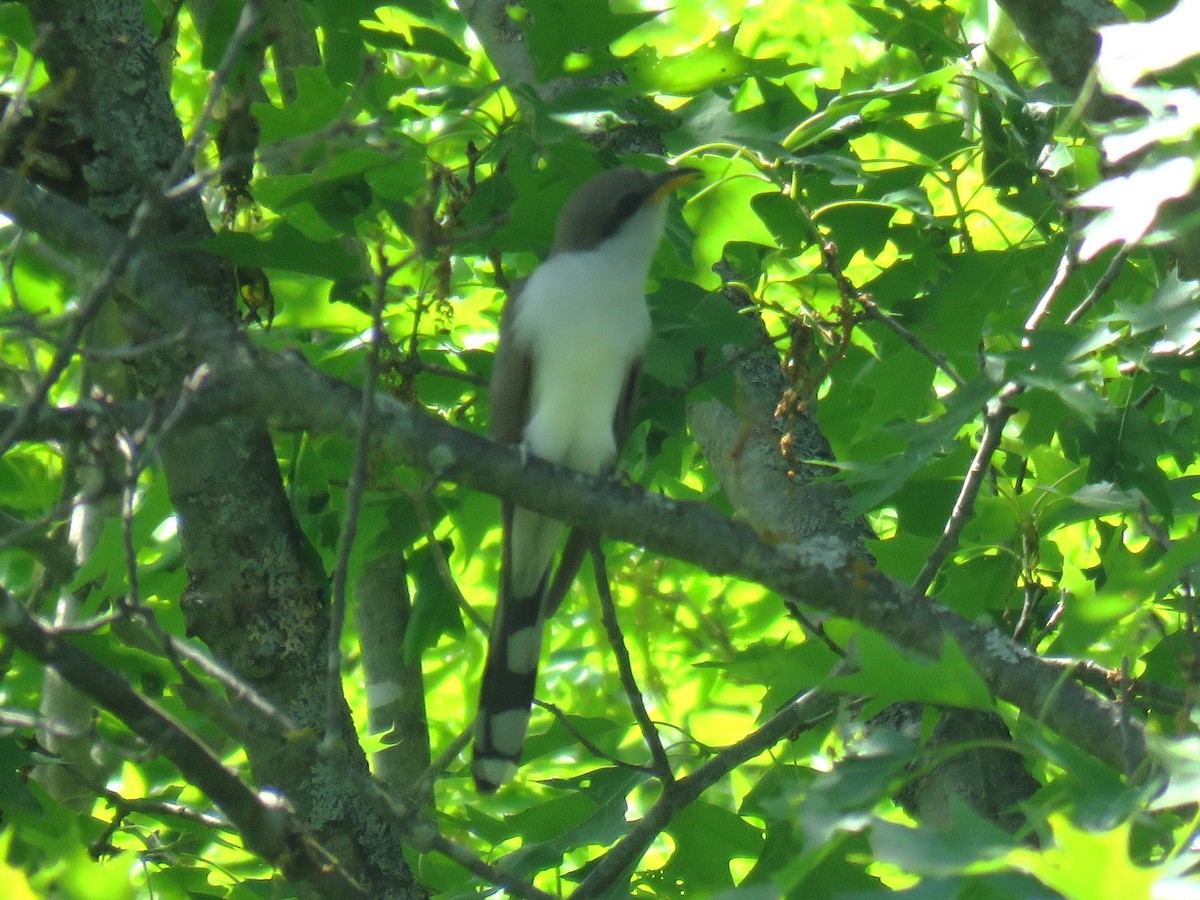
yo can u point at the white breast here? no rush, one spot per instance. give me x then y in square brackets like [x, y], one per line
[584, 316]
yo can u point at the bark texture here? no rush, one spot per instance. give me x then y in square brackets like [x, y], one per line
[257, 594]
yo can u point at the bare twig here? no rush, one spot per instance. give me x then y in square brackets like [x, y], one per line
[997, 416]
[354, 493]
[993, 429]
[1110, 682]
[801, 713]
[1066, 266]
[486, 872]
[237, 688]
[566, 723]
[422, 788]
[158, 808]
[130, 447]
[1098, 290]
[421, 505]
[608, 611]
[872, 311]
[812, 628]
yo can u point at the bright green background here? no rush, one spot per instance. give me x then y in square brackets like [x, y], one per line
[946, 204]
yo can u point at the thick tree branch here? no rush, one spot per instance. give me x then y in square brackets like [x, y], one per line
[256, 591]
[820, 572]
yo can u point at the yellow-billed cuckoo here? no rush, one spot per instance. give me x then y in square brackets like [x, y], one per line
[563, 384]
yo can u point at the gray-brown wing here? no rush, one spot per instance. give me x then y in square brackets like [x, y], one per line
[507, 687]
[512, 376]
[623, 419]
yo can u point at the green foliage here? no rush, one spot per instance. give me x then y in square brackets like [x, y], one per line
[1153, 65]
[932, 162]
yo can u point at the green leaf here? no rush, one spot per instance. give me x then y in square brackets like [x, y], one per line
[872, 104]
[712, 63]
[840, 800]
[16, 25]
[573, 36]
[342, 48]
[318, 104]
[920, 29]
[428, 41]
[890, 675]
[14, 792]
[718, 217]
[286, 248]
[1090, 864]
[1171, 314]
[968, 843]
[980, 585]
[707, 838]
[435, 604]
[559, 824]
[693, 330]
[916, 447]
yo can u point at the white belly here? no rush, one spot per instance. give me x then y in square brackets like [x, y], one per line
[586, 323]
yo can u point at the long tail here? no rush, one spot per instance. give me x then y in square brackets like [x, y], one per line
[506, 695]
[527, 597]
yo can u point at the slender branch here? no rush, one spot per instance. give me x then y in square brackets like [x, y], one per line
[486, 872]
[335, 702]
[158, 808]
[262, 709]
[849, 291]
[267, 827]
[1156, 696]
[565, 721]
[998, 414]
[798, 715]
[1066, 265]
[608, 612]
[1100, 288]
[422, 788]
[130, 448]
[420, 500]
[993, 430]
[872, 311]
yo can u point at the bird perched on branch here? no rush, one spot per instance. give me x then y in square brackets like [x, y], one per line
[564, 380]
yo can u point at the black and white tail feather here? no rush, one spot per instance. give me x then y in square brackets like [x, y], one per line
[510, 673]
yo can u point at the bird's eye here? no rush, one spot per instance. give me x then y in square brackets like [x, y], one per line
[627, 206]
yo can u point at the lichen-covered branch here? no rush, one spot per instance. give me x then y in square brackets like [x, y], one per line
[256, 591]
[822, 572]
